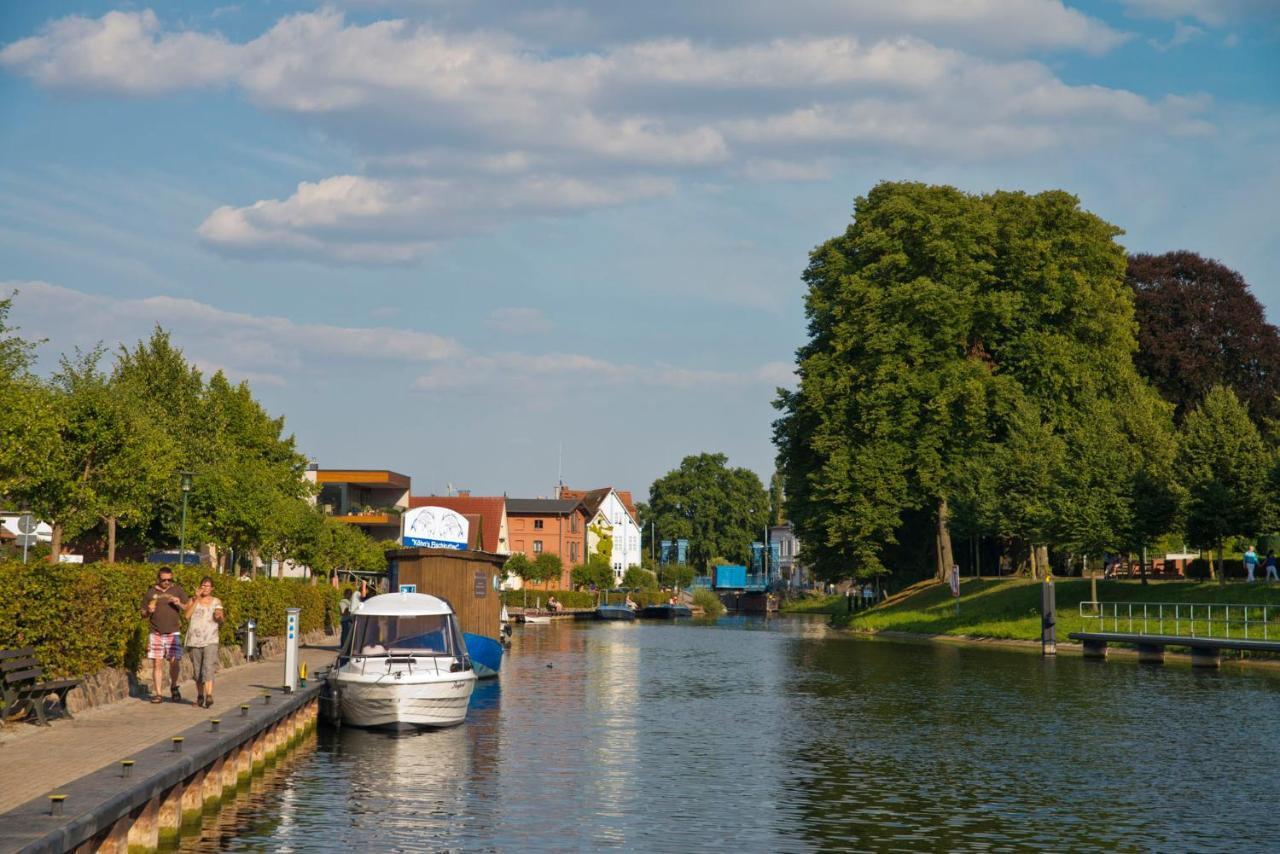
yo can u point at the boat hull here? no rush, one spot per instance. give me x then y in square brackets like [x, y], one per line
[666, 612]
[401, 704]
[614, 612]
[485, 653]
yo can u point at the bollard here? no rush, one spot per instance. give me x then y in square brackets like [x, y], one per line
[266, 698]
[244, 710]
[55, 804]
[177, 744]
[213, 724]
[291, 649]
[126, 768]
[1048, 618]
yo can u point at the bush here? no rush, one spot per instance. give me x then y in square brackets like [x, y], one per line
[1199, 568]
[637, 578]
[81, 618]
[538, 598]
[708, 601]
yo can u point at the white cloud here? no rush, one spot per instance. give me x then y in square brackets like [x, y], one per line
[275, 351]
[463, 132]
[520, 321]
[245, 345]
[1214, 13]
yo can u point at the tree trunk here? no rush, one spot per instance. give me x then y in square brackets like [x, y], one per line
[1222, 563]
[945, 558]
[1042, 561]
[1142, 570]
[111, 539]
[55, 543]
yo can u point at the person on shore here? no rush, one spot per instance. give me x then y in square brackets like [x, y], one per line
[205, 616]
[553, 605]
[1271, 566]
[631, 603]
[162, 606]
[1251, 562]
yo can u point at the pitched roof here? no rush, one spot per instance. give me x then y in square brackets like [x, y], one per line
[487, 508]
[541, 506]
[593, 498]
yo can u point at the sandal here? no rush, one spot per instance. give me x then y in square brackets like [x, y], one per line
[156, 698]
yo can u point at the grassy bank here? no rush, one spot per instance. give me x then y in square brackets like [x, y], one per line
[814, 605]
[1010, 608]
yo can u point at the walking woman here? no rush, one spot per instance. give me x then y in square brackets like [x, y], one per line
[204, 610]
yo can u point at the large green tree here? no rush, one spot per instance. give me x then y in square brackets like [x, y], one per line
[961, 349]
[1227, 468]
[719, 509]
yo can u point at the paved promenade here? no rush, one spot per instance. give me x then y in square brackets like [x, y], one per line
[35, 760]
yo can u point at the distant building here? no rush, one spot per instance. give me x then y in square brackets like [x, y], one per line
[370, 499]
[612, 509]
[794, 574]
[549, 525]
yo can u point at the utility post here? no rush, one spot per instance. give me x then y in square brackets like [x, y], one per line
[1048, 617]
[186, 490]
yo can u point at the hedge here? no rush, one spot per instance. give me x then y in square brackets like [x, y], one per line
[81, 618]
[581, 598]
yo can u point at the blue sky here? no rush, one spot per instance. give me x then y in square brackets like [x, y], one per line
[450, 238]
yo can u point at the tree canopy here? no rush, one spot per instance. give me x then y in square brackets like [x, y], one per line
[968, 355]
[1199, 326]
[719, 509]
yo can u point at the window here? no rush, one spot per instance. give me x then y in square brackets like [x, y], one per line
[573, 552]
[573, 523]
[537, 547]
[537, 524]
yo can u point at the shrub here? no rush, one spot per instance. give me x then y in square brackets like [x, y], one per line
[81, 618]
[708, 601]
[637, 578]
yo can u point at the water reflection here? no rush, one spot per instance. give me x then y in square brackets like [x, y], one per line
[776, 735]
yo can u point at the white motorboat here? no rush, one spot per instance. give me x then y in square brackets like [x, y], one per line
[405, 665]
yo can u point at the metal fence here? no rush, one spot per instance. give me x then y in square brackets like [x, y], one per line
[1240, 622]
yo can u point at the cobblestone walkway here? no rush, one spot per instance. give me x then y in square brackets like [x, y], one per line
[34, 760]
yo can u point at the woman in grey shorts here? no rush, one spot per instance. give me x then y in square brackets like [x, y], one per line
[204, 610]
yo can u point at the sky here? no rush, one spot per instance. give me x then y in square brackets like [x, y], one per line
[490, 244]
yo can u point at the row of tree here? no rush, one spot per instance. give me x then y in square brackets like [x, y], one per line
[973, 368]
[103, 453]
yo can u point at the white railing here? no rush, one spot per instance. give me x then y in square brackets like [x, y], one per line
[1183, 619]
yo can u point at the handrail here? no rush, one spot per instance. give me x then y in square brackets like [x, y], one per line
[1199, 619]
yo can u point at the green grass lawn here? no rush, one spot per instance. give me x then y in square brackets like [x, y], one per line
[814, 605]
[1010, 608]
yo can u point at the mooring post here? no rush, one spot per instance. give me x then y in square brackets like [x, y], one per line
[1048, 617]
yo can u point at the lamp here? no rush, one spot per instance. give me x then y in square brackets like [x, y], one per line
[186, 490]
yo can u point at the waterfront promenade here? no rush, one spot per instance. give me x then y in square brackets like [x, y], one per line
[35, 760]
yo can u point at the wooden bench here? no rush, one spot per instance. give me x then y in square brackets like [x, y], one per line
[21, 687]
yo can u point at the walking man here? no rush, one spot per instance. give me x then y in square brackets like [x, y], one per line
[1251, 562]
[162, 606]
[1271, 566]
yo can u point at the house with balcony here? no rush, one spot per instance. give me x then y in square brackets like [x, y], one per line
[370, 499]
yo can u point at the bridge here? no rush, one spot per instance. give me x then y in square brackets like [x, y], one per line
[1204, 629]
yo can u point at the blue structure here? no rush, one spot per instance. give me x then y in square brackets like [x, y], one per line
[674, 552]
[757, 556]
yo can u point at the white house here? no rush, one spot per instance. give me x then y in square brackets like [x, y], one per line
[611, 508]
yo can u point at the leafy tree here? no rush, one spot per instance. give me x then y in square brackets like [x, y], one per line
[518, 566]
[675, 575]
[1199, 326]
[638, 578]
[955, 342]
[546, 567]
[595, 572]
[720, 510]
[1225, 465]
[777, 500]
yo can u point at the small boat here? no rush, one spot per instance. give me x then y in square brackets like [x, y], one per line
[405, 665]
[533, 618]
[615, 612]
[665, 612]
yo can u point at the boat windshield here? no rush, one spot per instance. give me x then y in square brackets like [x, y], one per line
[424, 634]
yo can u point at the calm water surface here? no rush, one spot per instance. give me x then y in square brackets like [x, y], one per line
[778, 736]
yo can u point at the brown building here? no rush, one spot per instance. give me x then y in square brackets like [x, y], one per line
[549, 526]
[491, 510]
[371, 499]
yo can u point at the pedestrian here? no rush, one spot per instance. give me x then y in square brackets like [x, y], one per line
[1250, 562]
[868, 595]
[162, 606]
[1271, 566]
[204, 611]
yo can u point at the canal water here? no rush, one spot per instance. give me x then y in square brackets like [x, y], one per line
[778, 735]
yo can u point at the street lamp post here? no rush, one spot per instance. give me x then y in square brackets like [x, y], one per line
[186, 490]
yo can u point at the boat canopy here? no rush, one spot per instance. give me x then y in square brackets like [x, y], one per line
[402, 605]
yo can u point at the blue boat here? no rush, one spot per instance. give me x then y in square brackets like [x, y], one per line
[485, 653]
[665, 612]
[615, 612]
